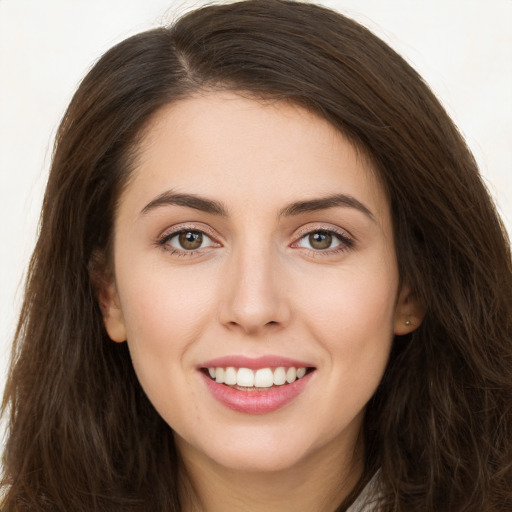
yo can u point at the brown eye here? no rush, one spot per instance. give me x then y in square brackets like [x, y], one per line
[190, 240]
[185, 242]
[320, 240]
[324, 240]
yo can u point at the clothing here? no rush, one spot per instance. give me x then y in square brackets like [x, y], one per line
[368, 499]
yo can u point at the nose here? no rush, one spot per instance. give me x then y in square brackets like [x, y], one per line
[254, 297]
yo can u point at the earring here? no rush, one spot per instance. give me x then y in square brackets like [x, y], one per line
[408, 322]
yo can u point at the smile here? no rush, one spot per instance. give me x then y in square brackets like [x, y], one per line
[248, 379]
[256, 385]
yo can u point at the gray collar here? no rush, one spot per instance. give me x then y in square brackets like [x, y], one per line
[368, 498]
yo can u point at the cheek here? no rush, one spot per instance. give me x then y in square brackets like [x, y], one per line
[351, 314]
[164, 313]
[353, 323]
[352, 300]
[157, 298]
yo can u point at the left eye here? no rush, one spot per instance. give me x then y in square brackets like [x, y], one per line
[320, 240]
[189, 240]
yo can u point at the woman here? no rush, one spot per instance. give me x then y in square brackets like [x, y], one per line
[268, 277]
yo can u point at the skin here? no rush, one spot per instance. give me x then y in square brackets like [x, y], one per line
[257, 286]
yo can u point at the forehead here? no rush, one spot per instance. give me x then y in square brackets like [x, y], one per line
[244, 150]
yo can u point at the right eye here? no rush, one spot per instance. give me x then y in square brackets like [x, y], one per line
[188, 240]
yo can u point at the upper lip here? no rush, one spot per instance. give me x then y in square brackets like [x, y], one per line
[267, 361]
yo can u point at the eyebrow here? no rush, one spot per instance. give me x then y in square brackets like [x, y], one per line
[324, 203]
[204, 204]
[189, 200]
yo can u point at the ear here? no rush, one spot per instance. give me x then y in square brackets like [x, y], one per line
[108, 299]
[409, 312]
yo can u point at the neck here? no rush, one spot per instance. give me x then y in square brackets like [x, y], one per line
[320, 484]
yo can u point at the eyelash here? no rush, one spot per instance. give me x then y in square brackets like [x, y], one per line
[346, 242]
[165, 239]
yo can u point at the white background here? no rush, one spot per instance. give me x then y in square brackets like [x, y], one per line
[463, 48]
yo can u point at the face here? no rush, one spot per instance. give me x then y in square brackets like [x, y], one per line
[255, 281]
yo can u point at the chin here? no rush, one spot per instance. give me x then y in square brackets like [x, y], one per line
[252, 451]
[259, 460]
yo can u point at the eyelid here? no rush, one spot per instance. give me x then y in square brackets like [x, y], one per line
[176, 236]
[346, 239]
[328, 228]
[173, 231]
[190, 226]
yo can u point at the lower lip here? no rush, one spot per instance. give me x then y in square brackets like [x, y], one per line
[256, 402]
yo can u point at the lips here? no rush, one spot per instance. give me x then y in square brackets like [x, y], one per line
[255, 385]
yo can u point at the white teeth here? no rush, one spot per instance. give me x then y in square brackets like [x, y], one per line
[279, 376]
[291, 375]
[245, 377]
[219, 375]
[230, 376]
[261, 378]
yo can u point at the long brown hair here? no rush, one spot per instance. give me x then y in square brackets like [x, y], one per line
[82, 434]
